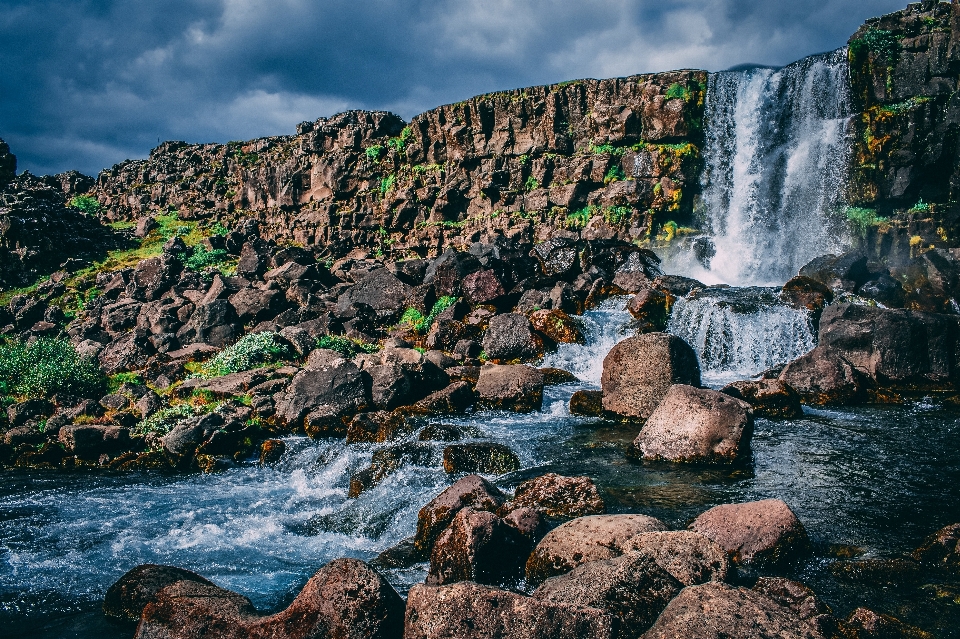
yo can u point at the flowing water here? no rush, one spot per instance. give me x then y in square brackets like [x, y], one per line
[776, 157]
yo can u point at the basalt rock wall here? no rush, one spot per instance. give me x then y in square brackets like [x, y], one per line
[614, 158]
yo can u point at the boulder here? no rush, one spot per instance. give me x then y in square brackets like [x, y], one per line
[126, 598]
[696, 425]
[941, 548]
[253, 305]
[513, 387]
[585, 539]
[452, 400]
[557, 326]
[214, 322]
[328, 381]
[184, 439]
[89, 441]
[864, 623]
[382, 291]
[400, 376]
[448, 272]
[556, 376]
[802, 601]
[481, 457]
[31, 409]
[558, 256]
[387, 461]
[440, 433]
[690, 557]
[638, 372]
[467, 610]
[482, 287]
[478, 546]
[509, 337]
[805, 293]
[271, 451]
[770, 398]
[845, 272]
[823, 377]
[473, 491]
[375, 427]
[762, 533]
[557, 497]
[446, 333]
[712, 610]
[631, 587]
[649, 309]
[588, 403]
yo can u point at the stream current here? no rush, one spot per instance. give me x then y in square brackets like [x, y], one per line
[866, 482]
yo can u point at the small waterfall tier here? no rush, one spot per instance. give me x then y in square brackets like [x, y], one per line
[775, 165]
[739, 332]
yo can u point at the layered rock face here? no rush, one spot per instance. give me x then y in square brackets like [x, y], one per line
[614, 156]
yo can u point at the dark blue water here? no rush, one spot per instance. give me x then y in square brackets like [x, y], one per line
[869, 482]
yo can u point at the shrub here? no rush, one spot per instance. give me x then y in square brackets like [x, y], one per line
[678, 92]
[616, 214]
[579, 219]
[387, 183]
[861, 219]
[532, 184]
[46, 367]
[251, 351]
[201, 257]
[920, 207]
[346, 346]
[85, 204]
[374, 152]
[615, 174]
[416, 320]
[163, 421]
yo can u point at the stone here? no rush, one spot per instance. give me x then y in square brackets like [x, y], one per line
[822, 378]
[473, 491]
[90, 441]
[253, 305]
[448, 272]
[446, 333]
[556, 376]
[455, 399]
[529, 523]
[557, 497]
[480, 457]
[514, 387]
[328, 381]
[941, 548]
[588, 403]
[557, 326]
[557, 257]
[806, 293]
[467, 610]
[375, 427]
[31, 409]
[126, 598]
[761, 533]
[690, 557]
[649, 309]
[838, 272]
[802, 601]
[381, 291]
[478, 546]
[712, 610]
[400, 376]
[864, 623]
[440, 433]
[184, 439]
[509, 337]
[271, 451]
[770, 398]
[585, 539]
[632, 587]
[638, 372]
[387, 461]
[482, 287]
[694, 425]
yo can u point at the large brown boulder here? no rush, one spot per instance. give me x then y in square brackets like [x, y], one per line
[480, 457]
[511, 387]
[823, 377]
[557, 497]
[800, 599]
[473, 491]
[478, 546]
[696, 425]
[381, 291]
[89, 441]
[764, 533]
[585, 539]
[770, 398]
[713, 610]
[806, 293]
[328, 381]
[649, 309]
[467, 610]
[345, 599]
[941, 548]
[638, 372]
[557, 326]
[631, 587]
[126, 598]
[690, 557]
[400, 376]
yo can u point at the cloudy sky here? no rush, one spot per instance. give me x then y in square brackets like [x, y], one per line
[85, 84]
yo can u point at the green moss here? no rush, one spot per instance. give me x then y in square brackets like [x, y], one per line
[579, 219]
[604, 149]
[85, 204]
[920, 207]
[531, 184]
[616, 214]
[388, 183]
[678, 92]
[375, 152]
[422, 324]
[615, 174]
[862, 219]
[346, 346]
[115, 381]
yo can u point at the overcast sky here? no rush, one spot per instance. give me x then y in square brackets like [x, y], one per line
[86, 84]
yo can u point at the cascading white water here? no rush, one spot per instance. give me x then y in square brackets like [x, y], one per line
[738, 333]
[775, 163]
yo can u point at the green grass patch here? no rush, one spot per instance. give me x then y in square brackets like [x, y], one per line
[375, 152]
[346, 346]
[607, 149]
[678, 92]
[422, 324]
[85, 204]
[250, 351]
[616, 214]
[531, 184]
[579, 219]
[115, 381]
[46, 367]
[615, 174]
[201, 257]
[862, 219]
[388, 183]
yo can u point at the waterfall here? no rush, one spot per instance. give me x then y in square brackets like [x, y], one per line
[738, 333]
[775, 163]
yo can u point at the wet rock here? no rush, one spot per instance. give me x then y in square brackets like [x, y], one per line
[90, 441]
[864, 623]
[328, 381]
[762, 533]
[518, 388]
[28, 433]
[770, 398]
[649, 308]
[473, 491]
[806, 293]
[32, 409]
[884, 290]
[126, 598]
[486, 458]
[184, 439]
[941, 548]
[557, 257]
[557, 326]
[440, 433]
[509, 337]
[387, 461]
[588, 403]
[638, 372]
[557, 497]
[448, 272]
[557, 376]
[690, 557]
[696, 425]
[529, 523]
[470, 611]
[632, 588]
[452, 400]
[376, 427]
[882, 572]
[822, 377]
[403, 555]
[715, 610]
[271, 451]
[802, 601]
[583, 540]
[477, 546]
[838, 272]
[400, 376]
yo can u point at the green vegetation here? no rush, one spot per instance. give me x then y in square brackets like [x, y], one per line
[388, 183]
[862, 219]
[200, 258]
[416, 320]
[346, 346]
[85, 204]
[920, 207]
[399, 144]
[115, 381]
[615, 174]
[579, 219]
[250, 351]
[375, 152]
[879, 41]
[531, 184]
[46, 367]
[603, 149]
[163, 421]
[671, 230]
[678, 92]
[902, 107]
[616, 214]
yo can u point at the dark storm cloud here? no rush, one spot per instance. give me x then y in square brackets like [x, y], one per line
[86, 84]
